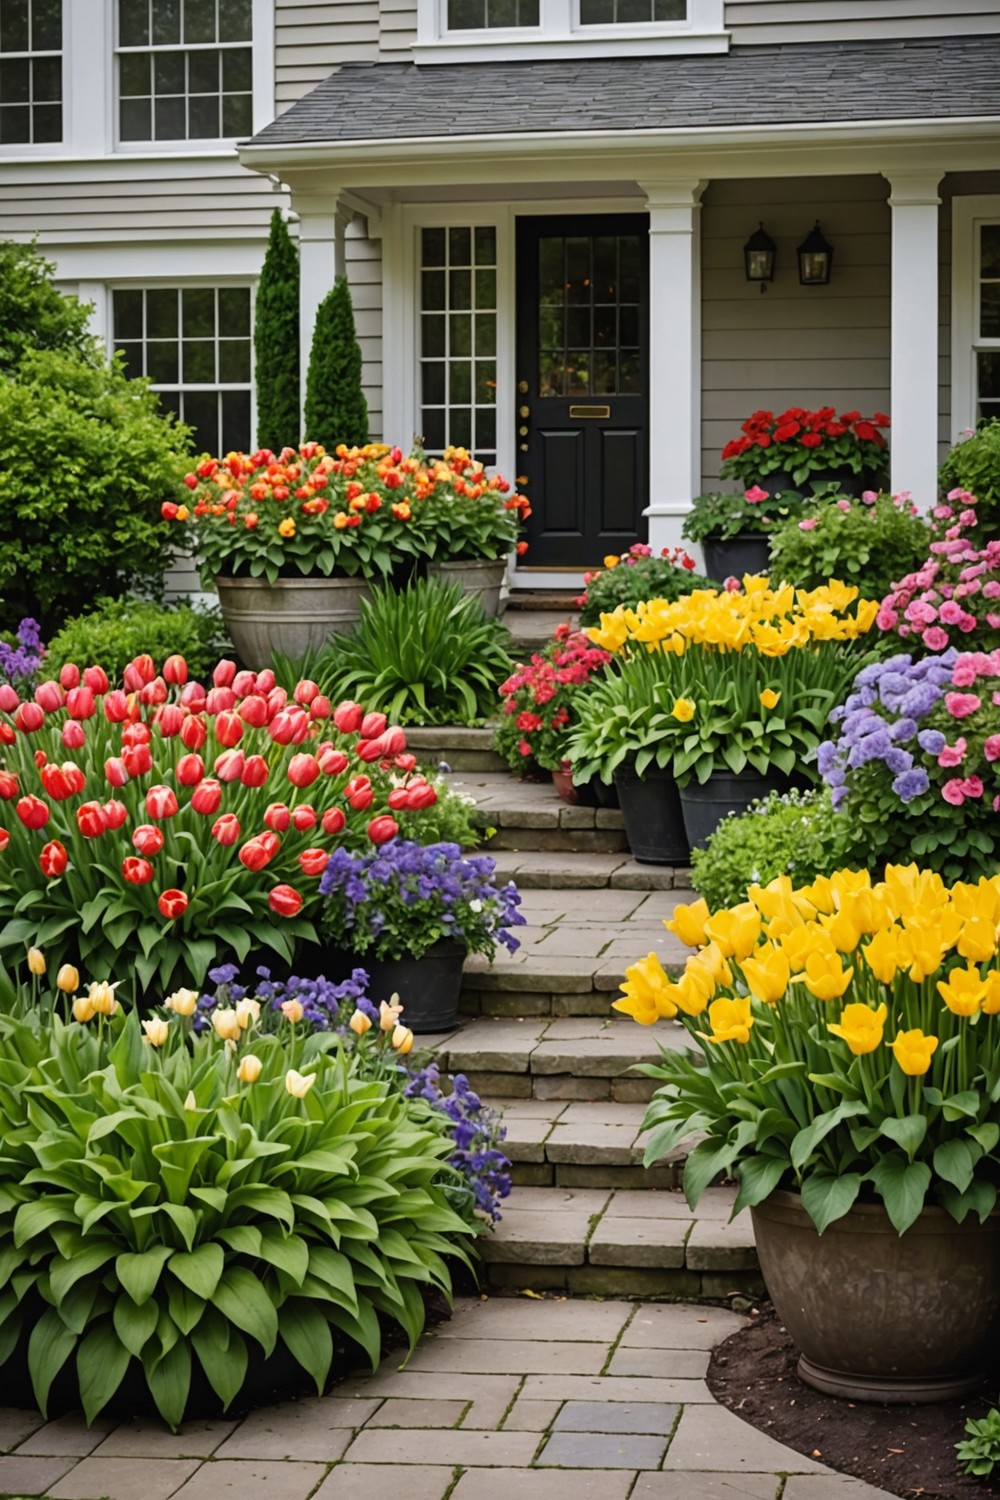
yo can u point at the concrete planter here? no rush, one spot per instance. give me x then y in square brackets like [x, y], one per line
[481, 576]
[290, 616]
[881, 1316]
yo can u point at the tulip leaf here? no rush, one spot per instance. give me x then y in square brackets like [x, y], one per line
[907, 1133]
[709, 1159]
[101, 1362]
[33, 1218]
[813, 1134]
[979, 1198]
[306, 1333]
[139, 1273]
[955, 1161]
[902, 1186]
[288, 1252]
[169, 1381]
[49, 1347]
[956, 1105]
[241, 1298]
[827, 1197]
[199, 1270]
[758, 1176]
[64, 1274]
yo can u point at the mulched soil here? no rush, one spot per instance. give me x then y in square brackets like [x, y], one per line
[907, 1450]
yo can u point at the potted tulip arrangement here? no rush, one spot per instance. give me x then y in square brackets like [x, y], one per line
[177, 822]
[411, 914]
[849, 1081]
[722, 695]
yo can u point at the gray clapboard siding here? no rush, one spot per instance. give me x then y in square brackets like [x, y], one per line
[364, 272]
[765, 22]
[311, 37]
[397, 29]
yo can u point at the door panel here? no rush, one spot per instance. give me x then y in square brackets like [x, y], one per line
[582, 359]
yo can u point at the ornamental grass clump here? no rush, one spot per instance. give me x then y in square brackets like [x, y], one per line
[720, 680]
[541, 700]
[913, 761]
[850, 1040]
[953, 597]
[176, 1204]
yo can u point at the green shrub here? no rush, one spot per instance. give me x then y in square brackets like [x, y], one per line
[871, 544]
[276, 341]
[335, 410]
[115, 631]
[424, 654]
[636, 576]
[161, 1209]
[791, 833]
[979, 1452]
[34, 316]
[973, 465]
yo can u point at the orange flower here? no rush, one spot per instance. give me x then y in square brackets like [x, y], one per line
[286, 527]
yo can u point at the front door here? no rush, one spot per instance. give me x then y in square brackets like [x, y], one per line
[582, 391]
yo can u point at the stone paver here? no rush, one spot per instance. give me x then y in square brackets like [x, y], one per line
[829, 1487]
[527, 1484]
[150, 1439]
[710, 1437]
[598, 1450]
[251, 1481]
[366, 1482]
[655, 1417]
[31, 1476]
[475, 1449]
[126, 1478]
[705, 1487]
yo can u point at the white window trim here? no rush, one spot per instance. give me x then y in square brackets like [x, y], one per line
[967, 214]
[90, 89]
[18, 152]
[560, 34]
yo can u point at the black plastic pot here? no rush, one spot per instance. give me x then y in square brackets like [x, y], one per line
[723, 793]
[606, 792]
[654, 824]
[428, 987]
[731, 557]
[846, 480]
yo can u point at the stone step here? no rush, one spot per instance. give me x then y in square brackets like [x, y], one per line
[528, 815]
[618, 1242]
[566, 1058]
[550, 871]
[467, 751]
[532, 629]
[555, 1143]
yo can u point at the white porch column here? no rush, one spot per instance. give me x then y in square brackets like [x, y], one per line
[674, 354]
[318, 234]
[913, 405]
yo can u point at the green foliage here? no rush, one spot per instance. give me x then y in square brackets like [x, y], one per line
[974, 465]
[163, 1214]
[980, 1451]
[34, 316]
[871, 545]
[636, 577]
[336, 411]
[86, 460]
[116, 630]
[722, 515]
[425, 654]
[450, 820]
[787, 833]
[276, 341]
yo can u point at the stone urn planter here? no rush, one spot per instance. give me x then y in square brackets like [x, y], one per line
[481, 576]
[880, 1316]
[291, 615]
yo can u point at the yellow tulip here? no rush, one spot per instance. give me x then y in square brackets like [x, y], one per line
[226, 1024]
[648, 992]
[249, 1069]
[820, 894]
[843, 930]
[360, 1023]
[913, 1051]
[922, 951]
[683, 710]
[402, 1039]
[247, 1012]
[884, 955]
[735, 932]
[36, 961]
[978, 939]
[731, 1020]
[83, 1009]
[963, 991]
[825, 977]
[796, 945]
[293, 1011]
[694, 989]
[68, 979]
[389, 1014]
[612, 561]
[688, 923]
[299, 1084]
[767, 974]
[769, 698]
[979, 900]
[860, 1027]
[102, 998]
[182, 1002]
[913, 892]
[991, 999]
[157, 1030]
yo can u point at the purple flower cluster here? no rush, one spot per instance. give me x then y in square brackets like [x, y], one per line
[20, 663]
[477, 1132]
[402, 897]
[326, 1006]
[881, 717]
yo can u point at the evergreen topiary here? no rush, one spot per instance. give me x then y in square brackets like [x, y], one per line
[336, 410]
[276, 340]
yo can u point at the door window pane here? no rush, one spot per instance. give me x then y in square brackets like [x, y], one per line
[457, 323]
[588, 315]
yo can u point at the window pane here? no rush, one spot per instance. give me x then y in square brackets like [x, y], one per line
[166, 23]
[989, 310]
[14, 33]
[432, 373]
[14, 85]
[46, 25]
[669, 10]
[460, 289]
[161, 314]
[990, 250]
[15, 125]
[460, 427]
[460, 334]
[486, 333]
[486, 245]
[234, 311]
[235, 20]
[199, 21]
[203, 71]
[198, 312]
[432, 247]
[630, 12]
[486, 435]
[486, 382]
[234, 361]
[127, 308]
[135, 121]
[169, 116]
[204, 121]
[235, 422]
[168, 72]
[237, 114]
[133, 23]
[432, 289]
[163, 362]
[237, 70]
[133, 357]
[460, 247]
[199, 362]
[434, 429]
[432, 335]
[46, 121]
[466, 15]
[134, 74]
[486, 289]
[461, 381]
[200, 409]
[989, 374]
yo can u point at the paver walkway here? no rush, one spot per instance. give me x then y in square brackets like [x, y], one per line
[538, 1400]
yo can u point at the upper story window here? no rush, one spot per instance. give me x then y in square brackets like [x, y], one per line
[514, 30]
[30, 72]
[185, 69]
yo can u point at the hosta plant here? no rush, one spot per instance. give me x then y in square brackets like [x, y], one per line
[175, 1202]
[792, 833]
[181, 823]
[851, 1044]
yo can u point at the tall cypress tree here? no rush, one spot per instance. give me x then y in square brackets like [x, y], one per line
[276, 341]
[336, 409]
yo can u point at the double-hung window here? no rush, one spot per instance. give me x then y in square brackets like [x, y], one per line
[185, 69]
[31, 69]
[467, 30]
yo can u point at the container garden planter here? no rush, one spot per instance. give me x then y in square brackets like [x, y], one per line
[800, 449]
[651, 808]
[290, 616]
[542, 698]
[733, 556]
[428, 987]
[584, 794]
[705, 805]
[481, 577]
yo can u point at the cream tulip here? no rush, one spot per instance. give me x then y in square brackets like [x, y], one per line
[102, 998]
[226, 1024]
[292, 1010]
[249, 1069]
[83, 1008]
[402, 1040]
[389, 1014]
[36, 961]
[182, 1002]
[247, 1012]
[68, 979]
[360, 1023]
[299, 1084]
[157, 1030]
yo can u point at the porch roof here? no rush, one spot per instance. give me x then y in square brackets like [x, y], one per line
[796, 84]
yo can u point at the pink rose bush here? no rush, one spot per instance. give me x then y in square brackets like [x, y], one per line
[953, 598]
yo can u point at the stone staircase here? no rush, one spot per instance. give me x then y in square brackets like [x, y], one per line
[539, 1041]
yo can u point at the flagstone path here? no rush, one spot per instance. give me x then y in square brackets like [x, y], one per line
[538, 1400]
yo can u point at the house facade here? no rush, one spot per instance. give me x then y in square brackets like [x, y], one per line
[542, 206]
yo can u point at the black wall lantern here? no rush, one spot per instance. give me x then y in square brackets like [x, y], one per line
[758, 256]
[815, 258]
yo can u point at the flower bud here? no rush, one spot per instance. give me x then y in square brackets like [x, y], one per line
[36, 961]
[68, 979]
[298, 1084]
[247, 1012]
[156, 1031]
[226, 1024]
[83, 1009]
[348, 716]
[402, 1040]
[360, 1023]
[69, 675]
[293, 1011]
[250, 1068]
[182, 1002]
[175, 670]
[224, 673]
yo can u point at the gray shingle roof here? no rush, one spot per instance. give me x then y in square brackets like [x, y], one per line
[933, 78]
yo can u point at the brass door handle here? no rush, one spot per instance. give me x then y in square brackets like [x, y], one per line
[522, 386]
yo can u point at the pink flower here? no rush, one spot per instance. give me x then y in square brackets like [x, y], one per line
[968, 518]
[973, 786]
[953, 791]
[953, 755]
[843, 504]
[993, 620]
[808, 525]
[964, 672]
[991, 749]
[919, 612]
[961, 705]
[887, 618]
[755, 495]
[942, 512]
[951, 612]
[868, 497]
[732, 584]
[935, 639]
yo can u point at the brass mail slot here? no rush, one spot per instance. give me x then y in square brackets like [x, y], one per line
[590, 411]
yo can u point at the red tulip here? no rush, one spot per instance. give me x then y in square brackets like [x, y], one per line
[320, 707]
[420, 794]
[33, 812]
[138, 759]
[224, 673]
[8, 698]
[265, 681]
[175, 670]
[136, 734]
[228, 728]
[8, 734]
[69, 675]
[244, 683]
[49, 696]
[229, 765]
[147, 839]
[382, 829]
[53, 859]
[80, 703]
[255, 854]
[372, 725]
[220, 700]
[313, 861]
[115, 706]
[282, 728]
[96, 679]
[61, 782]
[154, 692]
[29, 717]
[397, 798]
[194, 732]
[169, 720]
[143, 669]
[255, 771]
[161, 802]
[277, 817]
[73, 735]
[358, 792]
[137, 871]
[253, 711]
[395, 740]
[193, 697]
[348, 716]
[370, 750]
[226, 829]
[190, 770]
[4, 839]
[306, 691]
[285, 901]
[277, 699]
[332, 762]
[115, 772]
[116, 813]
[90, 820]
[40, 759]
[9, 786]
[303, 770]
[304, 817]
[172, 904]
[207, 797]
[333, 820]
